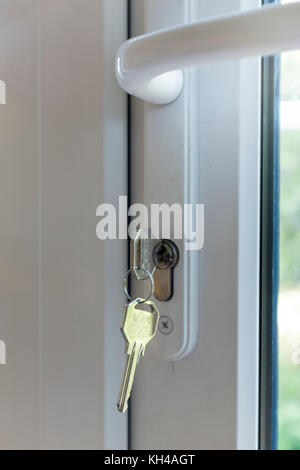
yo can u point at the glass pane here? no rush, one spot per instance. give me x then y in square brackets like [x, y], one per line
[289, 293]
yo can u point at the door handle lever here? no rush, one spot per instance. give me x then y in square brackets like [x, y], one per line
[150, 66]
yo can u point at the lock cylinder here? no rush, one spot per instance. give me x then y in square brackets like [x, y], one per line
[166, 258]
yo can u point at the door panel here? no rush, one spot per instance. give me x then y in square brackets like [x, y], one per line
[19, 393]
[62, 131]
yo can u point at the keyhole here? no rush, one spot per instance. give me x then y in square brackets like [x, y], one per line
[166, 257]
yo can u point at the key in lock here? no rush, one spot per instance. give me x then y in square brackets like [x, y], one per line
[166, 257]
[141, 249]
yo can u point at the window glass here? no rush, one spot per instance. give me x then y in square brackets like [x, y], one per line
[289, 292]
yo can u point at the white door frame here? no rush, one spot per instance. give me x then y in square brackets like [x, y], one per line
[209, 400]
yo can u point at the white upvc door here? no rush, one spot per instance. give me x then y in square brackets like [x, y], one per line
[205, 148]
[63, 141]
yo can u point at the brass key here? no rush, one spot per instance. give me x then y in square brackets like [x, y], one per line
[138, 327]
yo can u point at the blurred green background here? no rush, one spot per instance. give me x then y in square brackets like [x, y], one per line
[289, 297]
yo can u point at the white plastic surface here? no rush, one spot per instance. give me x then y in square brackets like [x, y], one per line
[148, 66]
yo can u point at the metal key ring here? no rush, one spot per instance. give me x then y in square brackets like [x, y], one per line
[149, 276]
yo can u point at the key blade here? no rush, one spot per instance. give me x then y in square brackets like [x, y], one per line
[127, 382]
[122, 403]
